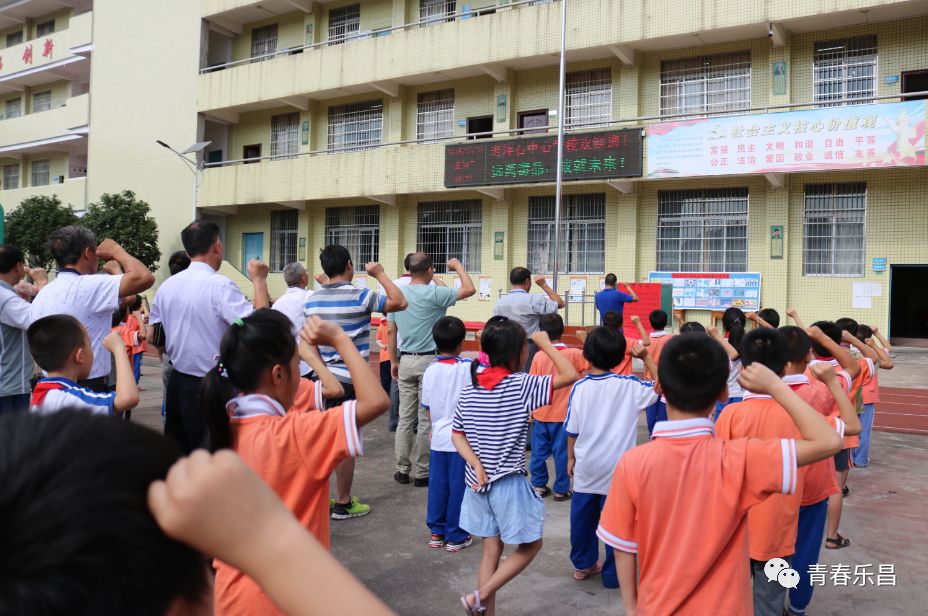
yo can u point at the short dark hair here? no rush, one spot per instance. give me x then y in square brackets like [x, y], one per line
[67, 244]
[334, 260]
[76, 522]
[864, 332]
[449, 334]
[771, 316]
[658, 319]
[604, 348]
[519, 275]
[553, 325]
[199, 236]
[798, 343]
[178, 262]
[10, 257]
[502, 340]
[52, 339]
[613, 320]
[765, 346]
[406, 260]
[848, 324]
[693, 372]
[611, 280]
[692, 327]
[419, 263]
[831, 330]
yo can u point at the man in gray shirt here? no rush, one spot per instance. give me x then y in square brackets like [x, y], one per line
[527, 309]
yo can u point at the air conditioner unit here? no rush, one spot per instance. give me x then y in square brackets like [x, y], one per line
[59, 179]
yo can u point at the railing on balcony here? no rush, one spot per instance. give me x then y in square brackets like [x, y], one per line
[366, 34]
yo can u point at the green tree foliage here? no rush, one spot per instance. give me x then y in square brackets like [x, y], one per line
[30, 224]
[125, 219]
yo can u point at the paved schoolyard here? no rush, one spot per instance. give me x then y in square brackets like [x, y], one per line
[884, 516]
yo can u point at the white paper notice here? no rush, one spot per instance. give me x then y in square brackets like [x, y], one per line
[861, 289]
[456, 282]
[360, 281]
[485, 288]
[876, 289]
[577, 289]
[862, 301]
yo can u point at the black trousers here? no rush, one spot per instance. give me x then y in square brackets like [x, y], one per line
[183, 421]
[98, 385]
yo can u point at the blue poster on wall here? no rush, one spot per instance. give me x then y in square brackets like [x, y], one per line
[712, 290]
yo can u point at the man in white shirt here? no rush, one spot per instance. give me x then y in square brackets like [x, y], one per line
[292, 302]
[91, 298]
[195, 307]
[527, 309]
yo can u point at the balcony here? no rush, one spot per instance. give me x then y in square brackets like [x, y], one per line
[73, 191]
[58, 125]
[61, 55]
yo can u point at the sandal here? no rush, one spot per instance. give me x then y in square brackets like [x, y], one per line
[582, 574]
[837, 543]
[477, 608]
[563, 497]
[542, 492]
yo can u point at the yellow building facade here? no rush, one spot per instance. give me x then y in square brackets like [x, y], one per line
[329, 121]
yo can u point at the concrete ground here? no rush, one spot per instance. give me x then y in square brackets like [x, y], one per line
[884, 517]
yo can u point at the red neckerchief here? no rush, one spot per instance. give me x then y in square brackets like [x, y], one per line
[41, 390]
[489, 378]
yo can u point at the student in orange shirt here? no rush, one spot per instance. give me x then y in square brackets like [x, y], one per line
[613, 320]
[678, 504]
[871, 391]
[548, 436]
[244, 399]
[657, 338]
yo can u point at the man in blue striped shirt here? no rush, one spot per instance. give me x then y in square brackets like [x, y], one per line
[349, 307]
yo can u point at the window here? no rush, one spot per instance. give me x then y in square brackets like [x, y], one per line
[40, 173]
[14, 38]
[10, 177]
[45, 28]
[833, 230]
[583, 234]
[285, 131]
[263, 42]
[14, 108]
[283, 238]
[357, 229]
[588, 98]
[706, 83]
[845, 68]
[357, 125]
[343, 23]
[41, 102]
[702, 230]
[434, 12]
[435, 115]
[451, 229]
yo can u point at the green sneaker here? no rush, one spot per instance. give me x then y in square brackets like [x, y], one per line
[354, 509]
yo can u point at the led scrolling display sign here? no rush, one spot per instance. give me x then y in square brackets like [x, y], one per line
[587, 156]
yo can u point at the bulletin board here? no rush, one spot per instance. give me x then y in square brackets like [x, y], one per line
[712, 290]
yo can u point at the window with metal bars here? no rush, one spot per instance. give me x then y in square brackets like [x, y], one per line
[434, 12]
[45, 28]
[14, 108]
[357, 125]
[357, 229]
[451, 230]
[703, 84]
[435, 115]
[40, 173]
[583, 234]
[588, 98]
[702, 230]
[14, 38]
[844, 68]
[263, 42]
[343, 23]
[834, 225]
[285, 134]
[41, 101]
[10, 177]
[284, 226]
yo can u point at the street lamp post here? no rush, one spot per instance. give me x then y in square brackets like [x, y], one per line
[560, 146]
[195, 166]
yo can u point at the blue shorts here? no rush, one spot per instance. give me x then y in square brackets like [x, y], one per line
[510, 510]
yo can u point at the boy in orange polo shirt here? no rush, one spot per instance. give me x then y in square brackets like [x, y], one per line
[679, 503]
[658, 339]
[548, 435]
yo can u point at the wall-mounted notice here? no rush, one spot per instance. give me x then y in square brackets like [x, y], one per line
[712, 290]
[484, 288]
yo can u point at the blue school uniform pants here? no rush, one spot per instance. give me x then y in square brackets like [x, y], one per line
[655, 413]
[584, 544]
[862, 453]
[549, 438]
[808, 544]
[446, 491]
[137, 367]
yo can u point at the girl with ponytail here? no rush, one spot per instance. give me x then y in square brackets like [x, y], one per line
[244, 399]
[733, 322]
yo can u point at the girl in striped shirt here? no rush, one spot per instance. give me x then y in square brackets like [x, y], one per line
[489, 430]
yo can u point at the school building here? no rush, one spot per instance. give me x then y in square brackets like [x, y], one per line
[778, 146]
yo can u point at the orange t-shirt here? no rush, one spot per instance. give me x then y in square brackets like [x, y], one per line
[658, 340]
[543, 366]
[382, 338]
[129, 338]
[871, 389]
[133, 324]
[625, 367]
[680, 502]
[851, 386]
[819, 482]
[772, 524]
[295, 453]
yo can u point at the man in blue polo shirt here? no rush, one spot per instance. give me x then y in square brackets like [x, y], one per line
[611, 299]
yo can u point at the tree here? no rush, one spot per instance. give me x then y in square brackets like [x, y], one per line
[30, 224]
[125, 219]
